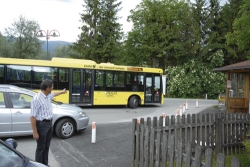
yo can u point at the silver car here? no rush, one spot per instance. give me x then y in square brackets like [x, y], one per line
[9, 156]
[15, 114]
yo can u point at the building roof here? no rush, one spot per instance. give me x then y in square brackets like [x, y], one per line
[241, 66]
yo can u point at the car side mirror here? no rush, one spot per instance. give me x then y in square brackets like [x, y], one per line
[11, 142]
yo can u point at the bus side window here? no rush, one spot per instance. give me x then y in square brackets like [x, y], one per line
[9, 77]
[19, 76]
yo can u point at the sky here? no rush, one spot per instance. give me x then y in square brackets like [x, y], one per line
[60, 15]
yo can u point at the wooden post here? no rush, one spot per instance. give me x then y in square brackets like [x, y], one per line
[141, 150]
[179, 153]
[134, 123]
[221, 160]
[235, 162]
[218, 133]
[197, 159]
[188, 160]
[171, 150]
[209, 157]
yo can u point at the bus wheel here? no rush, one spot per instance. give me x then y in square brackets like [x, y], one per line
[133, 102]
[65, 128]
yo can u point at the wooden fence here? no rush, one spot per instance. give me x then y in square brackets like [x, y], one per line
[160, 142]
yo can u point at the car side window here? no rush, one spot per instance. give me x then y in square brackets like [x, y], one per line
[9, 158]
[2, 103]
[20, 100]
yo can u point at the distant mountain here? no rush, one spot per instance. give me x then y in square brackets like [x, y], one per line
[53, 44]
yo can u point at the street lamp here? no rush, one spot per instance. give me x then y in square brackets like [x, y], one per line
[52, 33]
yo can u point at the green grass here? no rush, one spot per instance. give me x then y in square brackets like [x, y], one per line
[243, 158]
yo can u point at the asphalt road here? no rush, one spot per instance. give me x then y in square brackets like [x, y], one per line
[113, 135]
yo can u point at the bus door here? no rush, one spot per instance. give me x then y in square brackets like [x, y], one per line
[153, 88]
[81, 86]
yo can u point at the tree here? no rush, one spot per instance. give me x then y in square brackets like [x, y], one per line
[23, 36]
[62, 51]
[101, 33]
[110, 30]
[241, 29]
[5, 47]
[230, 12]
[213, 42]
[194, 79]
[200, 11]
[161, 33]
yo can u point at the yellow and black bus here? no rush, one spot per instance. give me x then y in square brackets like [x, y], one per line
[88, 83]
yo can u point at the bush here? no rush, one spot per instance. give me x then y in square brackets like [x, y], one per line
[195, 79]
[246, 144]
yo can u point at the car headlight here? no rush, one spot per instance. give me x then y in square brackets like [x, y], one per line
[82, 113]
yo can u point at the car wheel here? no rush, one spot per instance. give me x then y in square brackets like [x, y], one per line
[65, 128]
[133, 102]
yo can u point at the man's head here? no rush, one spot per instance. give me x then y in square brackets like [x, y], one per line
[47, 86]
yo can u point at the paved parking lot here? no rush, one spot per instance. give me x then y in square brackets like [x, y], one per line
[113, 137]
[112, 148]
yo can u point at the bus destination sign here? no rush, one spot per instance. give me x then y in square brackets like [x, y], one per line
[134, 69]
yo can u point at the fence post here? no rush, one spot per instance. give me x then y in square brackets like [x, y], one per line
[221, 160]
[146, 146]
[218, 133]
[179, 153]
[151, 146]
[171, 150]
[188, 160]
[141, 150]
[209, 157]
[134, 123]
[235, 162]
[197, 159]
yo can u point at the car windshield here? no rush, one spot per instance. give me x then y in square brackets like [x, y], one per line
[9, 157]
[53, 101]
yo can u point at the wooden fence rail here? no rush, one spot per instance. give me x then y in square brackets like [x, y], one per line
[176, 140]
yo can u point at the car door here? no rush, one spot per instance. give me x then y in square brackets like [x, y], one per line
[20, 112]
[5, 116]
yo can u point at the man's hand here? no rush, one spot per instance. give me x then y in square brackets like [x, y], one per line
[61, 92]
[35, 135]
[64, 91]
[33, 125]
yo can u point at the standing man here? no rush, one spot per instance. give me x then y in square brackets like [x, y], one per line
[41, 117]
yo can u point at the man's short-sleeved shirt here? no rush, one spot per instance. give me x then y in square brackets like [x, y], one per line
[41, 106]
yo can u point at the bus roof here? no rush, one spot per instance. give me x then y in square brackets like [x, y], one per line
[77, 63]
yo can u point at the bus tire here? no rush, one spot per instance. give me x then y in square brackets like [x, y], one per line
[65, 128]
[133, 102]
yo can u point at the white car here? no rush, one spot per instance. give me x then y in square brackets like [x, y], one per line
[15, 114]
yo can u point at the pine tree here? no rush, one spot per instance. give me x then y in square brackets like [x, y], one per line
[230, 11]
[85, 46]
[101, 33]
[201, 16]
[213, 42]
[110, 30]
